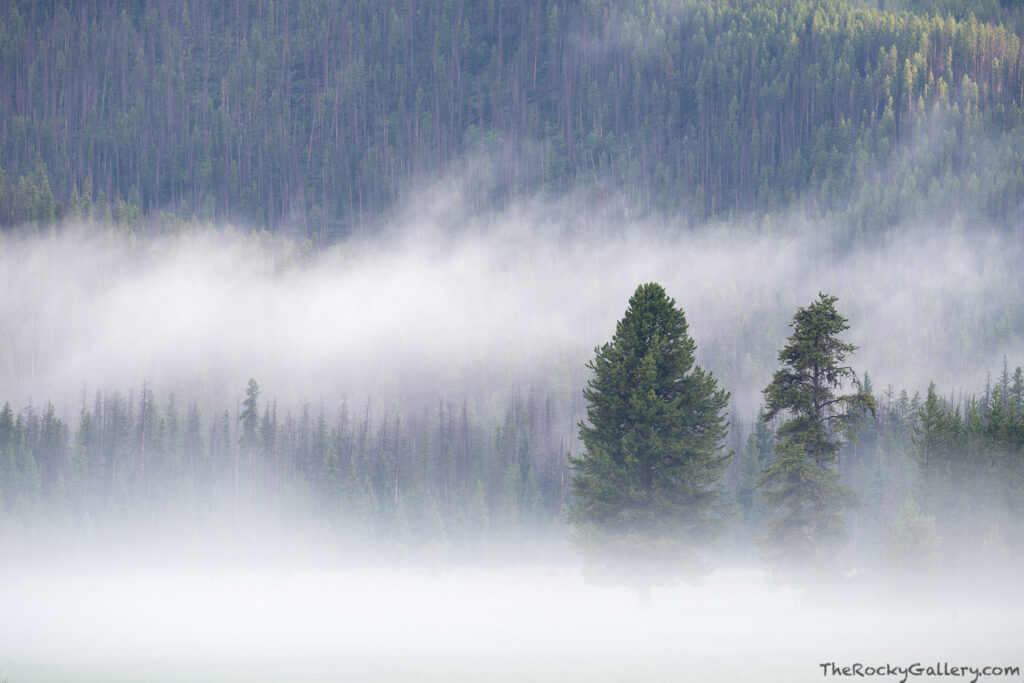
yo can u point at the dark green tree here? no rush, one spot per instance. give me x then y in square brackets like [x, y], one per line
[934, 440]
[645, 485]
[803, 483]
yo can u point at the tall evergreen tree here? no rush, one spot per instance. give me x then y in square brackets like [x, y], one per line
[757, 455]
[803, 483]
[249, 416]
[645, 498]
[248, 440]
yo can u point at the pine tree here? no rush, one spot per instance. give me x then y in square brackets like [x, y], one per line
[248, 442]
[645, 496]
[757, 455]
[8, 469]
[803, 483]
[249, 416]
[912, 545]
[1017, 389]
[929, 435]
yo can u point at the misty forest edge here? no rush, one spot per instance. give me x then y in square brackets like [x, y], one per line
[886, 486]
[314, 122]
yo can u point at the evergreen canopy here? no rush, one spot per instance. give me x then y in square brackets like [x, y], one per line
[802, 482]
[644, 488]
[805, 387]
[310, 118]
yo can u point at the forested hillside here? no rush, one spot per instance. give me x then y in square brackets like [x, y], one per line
[423, 386]
[320, 118]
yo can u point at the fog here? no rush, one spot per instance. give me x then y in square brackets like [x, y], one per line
[423, 312]
[540, 624]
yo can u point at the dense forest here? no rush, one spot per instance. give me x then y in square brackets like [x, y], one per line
[318, 124]
[443, 481]
[940, 481]
[317, 119]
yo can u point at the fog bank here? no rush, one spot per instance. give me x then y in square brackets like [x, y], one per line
[540, 624]
[423, 312]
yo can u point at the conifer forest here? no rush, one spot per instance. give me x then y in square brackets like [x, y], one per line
[719, 304]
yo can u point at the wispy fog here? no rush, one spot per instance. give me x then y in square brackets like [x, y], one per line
[422, 313]
[425, 312]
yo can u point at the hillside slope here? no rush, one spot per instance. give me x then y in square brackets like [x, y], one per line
[318, 118]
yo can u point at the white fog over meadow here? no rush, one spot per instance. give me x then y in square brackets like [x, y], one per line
[345, 341]
[512, 624]
[476, 316]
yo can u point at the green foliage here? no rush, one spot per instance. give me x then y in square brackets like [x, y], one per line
[450, 484]
[995, 11]
[757, 456]
[811, 504]
[935, 436]
[644, 489]
[970, 461]
[29, 200]
[313, 118]
[415, 486]
[875, 464]
[804, 389]
[8, 468]
[913, 545]
[802, 483]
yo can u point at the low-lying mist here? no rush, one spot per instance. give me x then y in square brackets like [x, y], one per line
[207, 564]
[469, 624]
[424, 311]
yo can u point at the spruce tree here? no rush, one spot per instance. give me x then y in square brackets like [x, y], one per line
[645, 485]
[912, 546]
[757, 455]
[803, 483]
